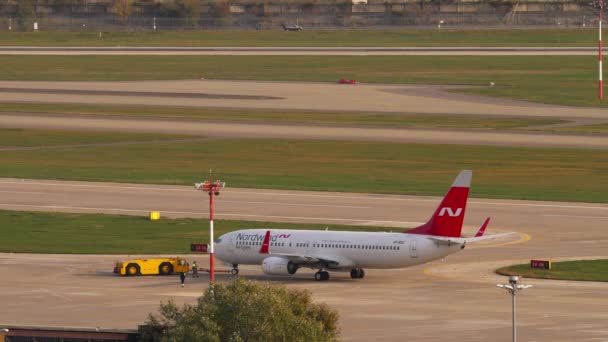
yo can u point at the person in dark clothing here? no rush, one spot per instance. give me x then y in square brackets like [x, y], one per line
[182, 277]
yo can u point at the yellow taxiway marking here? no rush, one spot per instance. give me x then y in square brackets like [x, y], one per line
[523, 237]
[429, 270]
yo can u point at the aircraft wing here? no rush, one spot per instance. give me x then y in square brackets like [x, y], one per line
[305, 260]
[309, 259]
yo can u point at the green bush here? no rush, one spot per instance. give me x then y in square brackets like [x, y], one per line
[244, 311]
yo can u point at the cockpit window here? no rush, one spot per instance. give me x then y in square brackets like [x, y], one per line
[218, 240]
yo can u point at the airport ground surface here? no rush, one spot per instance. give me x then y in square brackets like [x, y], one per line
[396, 99]
[454, 299]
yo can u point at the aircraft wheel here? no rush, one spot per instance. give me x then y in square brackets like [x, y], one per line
[357, 273]
[319, 276]
[234, 271]
[324, 275]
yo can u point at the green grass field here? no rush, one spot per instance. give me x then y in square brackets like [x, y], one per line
[567, 80]
[500, 172]
[34, 232]
[599, 128]
[269, 116]
[17, 137]
[583, 270]
[329, 38]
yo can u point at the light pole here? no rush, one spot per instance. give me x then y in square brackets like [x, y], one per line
[213, 189]
[599, 5]
[513, 287]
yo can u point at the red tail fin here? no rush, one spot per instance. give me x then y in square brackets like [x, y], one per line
[265, 249]
[447, 219]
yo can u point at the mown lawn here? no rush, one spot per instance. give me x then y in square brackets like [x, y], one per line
[37, 232]
[377, 167]
[326, 38]
[584, 270]
[18, 137]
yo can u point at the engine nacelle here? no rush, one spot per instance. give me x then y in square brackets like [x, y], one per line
[278, 266]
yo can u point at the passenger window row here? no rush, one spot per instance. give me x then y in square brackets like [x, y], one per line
[349, 246]
[322, 245]
[255, 243]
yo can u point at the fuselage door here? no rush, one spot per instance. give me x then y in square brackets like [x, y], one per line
[413, 249]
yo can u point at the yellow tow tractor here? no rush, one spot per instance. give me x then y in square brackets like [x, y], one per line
[158, 266]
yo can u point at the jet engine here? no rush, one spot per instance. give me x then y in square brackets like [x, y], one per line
[278, 266]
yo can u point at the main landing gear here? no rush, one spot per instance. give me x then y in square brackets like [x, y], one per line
[357, 273]
[321, 275]
[235, 270]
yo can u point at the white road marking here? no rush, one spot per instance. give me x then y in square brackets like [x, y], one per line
[23, 192]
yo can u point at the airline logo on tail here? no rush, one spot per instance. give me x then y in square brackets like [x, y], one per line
[450, 212]
[447, 219]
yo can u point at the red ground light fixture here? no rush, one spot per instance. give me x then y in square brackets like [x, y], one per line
[213, 189]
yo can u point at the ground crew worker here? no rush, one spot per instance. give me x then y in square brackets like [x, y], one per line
[182, 277]
[194, 269]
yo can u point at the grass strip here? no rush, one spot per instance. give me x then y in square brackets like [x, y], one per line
[325, 38]
[581, 270]
[597, 128]
[39, 232]
[376, 167]
[267, 116]
[566, 80]
[17, 137]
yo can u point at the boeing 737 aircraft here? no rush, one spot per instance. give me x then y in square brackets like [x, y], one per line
[283, 252]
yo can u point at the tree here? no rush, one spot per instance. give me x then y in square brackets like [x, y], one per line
[25, 10]
[244, 311]
[123, 8]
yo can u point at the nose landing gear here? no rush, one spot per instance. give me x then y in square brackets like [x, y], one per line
[321, 276]
[235, 270]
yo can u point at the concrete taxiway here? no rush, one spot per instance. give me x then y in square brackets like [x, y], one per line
[453, 299]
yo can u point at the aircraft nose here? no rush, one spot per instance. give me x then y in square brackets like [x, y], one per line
[220, 246]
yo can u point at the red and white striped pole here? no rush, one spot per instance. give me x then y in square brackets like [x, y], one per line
[211, 255]
[212, 188]
[601, 87]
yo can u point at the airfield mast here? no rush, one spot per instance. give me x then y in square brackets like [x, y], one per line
[601, 87]
[213, 189]
[599, 4]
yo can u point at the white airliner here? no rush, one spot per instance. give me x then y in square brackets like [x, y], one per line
[283, 252]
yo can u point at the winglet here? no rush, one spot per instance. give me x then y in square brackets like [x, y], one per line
[483, 228]
[265, 249]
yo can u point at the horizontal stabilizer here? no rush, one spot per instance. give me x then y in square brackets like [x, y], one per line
[462, 241]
